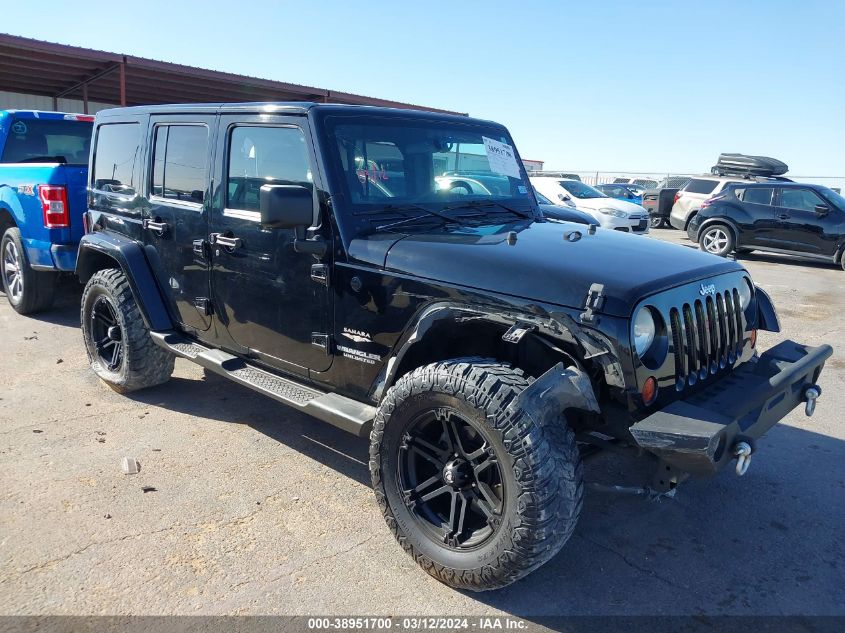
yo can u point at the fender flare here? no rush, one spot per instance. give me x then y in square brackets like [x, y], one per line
[95, 249]
[726, 222]
[591, 343]
[767, 316]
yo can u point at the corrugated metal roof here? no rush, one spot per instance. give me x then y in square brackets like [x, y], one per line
[58, 70]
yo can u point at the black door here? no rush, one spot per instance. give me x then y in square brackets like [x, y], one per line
[177, 213]
[803, 228]
[262, 290]
[757, 223]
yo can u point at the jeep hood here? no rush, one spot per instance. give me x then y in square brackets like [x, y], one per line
[547, 263]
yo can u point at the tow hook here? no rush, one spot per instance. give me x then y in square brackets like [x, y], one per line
[811, 395]
[742, 451]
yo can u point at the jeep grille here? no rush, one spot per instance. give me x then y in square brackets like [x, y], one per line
[707, 335]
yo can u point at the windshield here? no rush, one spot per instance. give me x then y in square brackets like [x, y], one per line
[392, 164]
[580, 190]
[833, 197]
[48, 141]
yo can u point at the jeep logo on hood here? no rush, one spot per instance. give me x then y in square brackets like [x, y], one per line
[707, 289]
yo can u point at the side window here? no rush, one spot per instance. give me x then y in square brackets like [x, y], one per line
[180, 160]
[264, 155]
[114, 158]
[799, 199]
[756, 195]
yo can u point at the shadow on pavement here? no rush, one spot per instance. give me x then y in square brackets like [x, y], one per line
[217, 398]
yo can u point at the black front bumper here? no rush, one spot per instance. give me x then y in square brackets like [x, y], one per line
[697, 435]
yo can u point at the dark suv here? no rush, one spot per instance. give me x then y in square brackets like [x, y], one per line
[780, 217]
[314, 254]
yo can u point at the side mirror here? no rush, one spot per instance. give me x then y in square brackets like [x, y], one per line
[564, 197]
[286, 206]
[821, 210]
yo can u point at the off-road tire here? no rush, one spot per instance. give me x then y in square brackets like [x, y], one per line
[541, 462]
[38, 288]
[726, 240]
[144, 364]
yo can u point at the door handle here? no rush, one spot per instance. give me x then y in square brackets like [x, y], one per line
[226, 241]
[783, 216]
[155, 226]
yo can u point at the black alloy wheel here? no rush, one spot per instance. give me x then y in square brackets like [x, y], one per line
[106, 333]
[451, 479]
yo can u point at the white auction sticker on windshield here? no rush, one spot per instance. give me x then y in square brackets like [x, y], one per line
[501, 158]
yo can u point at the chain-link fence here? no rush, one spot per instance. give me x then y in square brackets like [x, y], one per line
[650, 179]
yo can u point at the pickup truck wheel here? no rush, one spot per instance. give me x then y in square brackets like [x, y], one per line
[716, 239]
[27, 290]
[119, 346]
[474, 489]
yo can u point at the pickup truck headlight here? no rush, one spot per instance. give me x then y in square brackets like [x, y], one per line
[644, 331]
[616, 213]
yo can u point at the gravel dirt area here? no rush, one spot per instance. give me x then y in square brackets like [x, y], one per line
[243, 506]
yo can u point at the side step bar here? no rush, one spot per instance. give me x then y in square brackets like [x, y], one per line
[346, 414]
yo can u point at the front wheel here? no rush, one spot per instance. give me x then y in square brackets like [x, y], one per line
[716, 239]
[474, 489]
[27, 290]
[656, 222]
[119, 346]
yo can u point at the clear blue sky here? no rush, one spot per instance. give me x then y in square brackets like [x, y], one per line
[611, 85]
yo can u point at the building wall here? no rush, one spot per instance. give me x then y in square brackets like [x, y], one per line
[20, 101]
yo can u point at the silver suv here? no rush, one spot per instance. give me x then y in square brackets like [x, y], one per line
[689, 197]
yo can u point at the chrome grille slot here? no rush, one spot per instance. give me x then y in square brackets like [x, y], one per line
[707, 335]
[678, 344]
[692, 343]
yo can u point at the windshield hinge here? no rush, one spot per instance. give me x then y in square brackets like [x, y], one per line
[595, 301]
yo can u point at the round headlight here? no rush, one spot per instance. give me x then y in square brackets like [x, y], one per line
[644, 330]
[745, 294]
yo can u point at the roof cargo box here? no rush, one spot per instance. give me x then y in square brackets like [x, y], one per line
[746, 165]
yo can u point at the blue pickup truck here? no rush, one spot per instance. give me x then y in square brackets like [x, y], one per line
[43, 176]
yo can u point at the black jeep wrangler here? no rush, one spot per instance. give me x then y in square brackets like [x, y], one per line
[389, 272]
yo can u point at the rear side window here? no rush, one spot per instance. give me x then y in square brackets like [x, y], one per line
[114, 158]
[180, 160]
[755, 195]
[264, 156]
[48, 141]
[699, 185]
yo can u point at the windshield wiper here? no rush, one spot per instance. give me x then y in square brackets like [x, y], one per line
[417, 207]
[476, 204]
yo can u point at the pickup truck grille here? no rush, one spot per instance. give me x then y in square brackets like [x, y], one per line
[707, 335]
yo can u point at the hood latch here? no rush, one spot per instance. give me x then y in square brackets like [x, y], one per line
[595, 301]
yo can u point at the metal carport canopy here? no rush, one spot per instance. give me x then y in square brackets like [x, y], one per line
[57, 70]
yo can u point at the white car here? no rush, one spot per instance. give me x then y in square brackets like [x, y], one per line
[609, 213]
[689, 197]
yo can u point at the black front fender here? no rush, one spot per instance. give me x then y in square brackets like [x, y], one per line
[107, 250]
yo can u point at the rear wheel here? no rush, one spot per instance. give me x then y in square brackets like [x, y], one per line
[474, 489]
[119, 346]
[716, 239]
[656, 221]
[27, 290]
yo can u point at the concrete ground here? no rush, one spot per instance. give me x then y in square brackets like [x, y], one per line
[243, 506]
